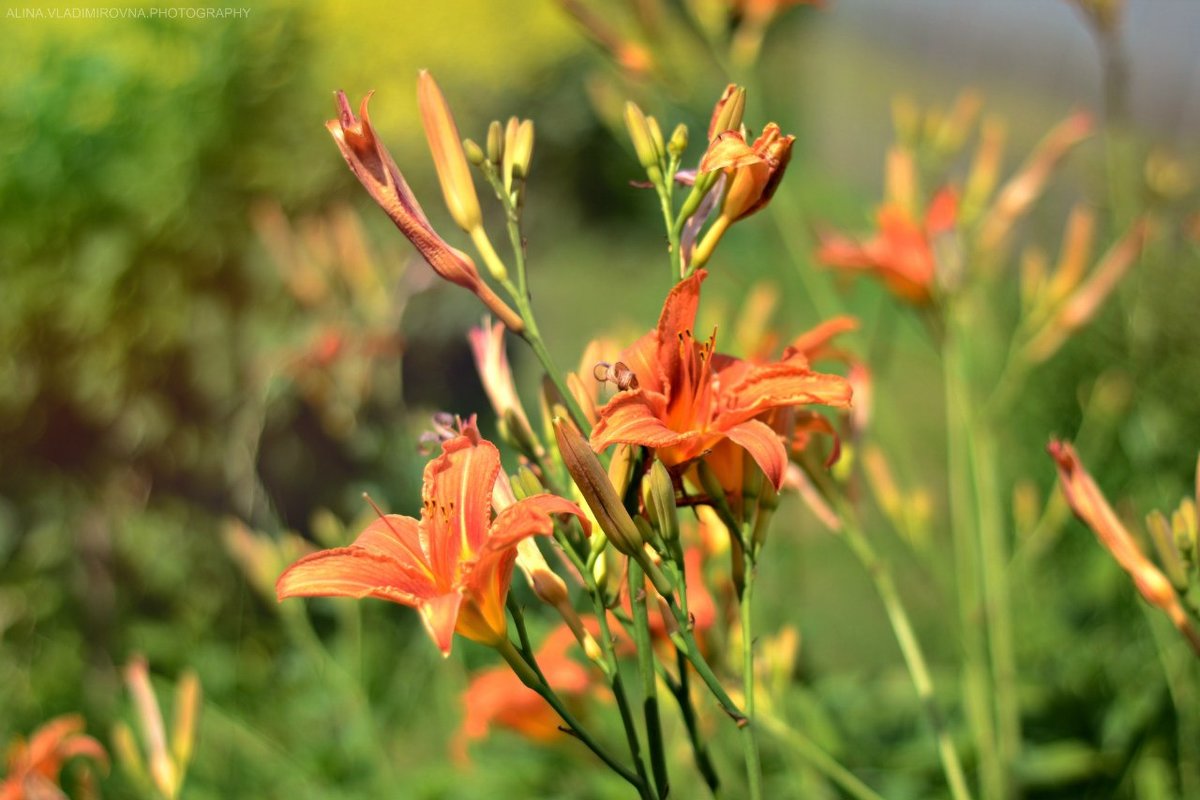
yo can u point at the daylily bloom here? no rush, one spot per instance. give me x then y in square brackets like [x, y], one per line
[34, 766]
[375, 169]
[690, 398]
[752, 174]
[454, 564]
[901, 253]
[1090, 505]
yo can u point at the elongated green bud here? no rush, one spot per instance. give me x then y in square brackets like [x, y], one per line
[598, 492]
[659, 497]
[643, 140]
[523, 150]
[620, 468]
[1168, 553]
[679, 141]
[473, 152]
[596, 488]
[495, 142]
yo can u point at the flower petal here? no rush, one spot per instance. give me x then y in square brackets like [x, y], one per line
[440, 615]
[458, 500]
[532, 516]
[780, 385]
[353, 572]
[678, 315]
[635, 417]
[396, 537]
[764, 446]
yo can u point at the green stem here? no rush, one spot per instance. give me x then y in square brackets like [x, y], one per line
[749, 743]
[645, 659]
[531, 678]
[683, 695]
[972, 619]
[616, 684]
[914, 657]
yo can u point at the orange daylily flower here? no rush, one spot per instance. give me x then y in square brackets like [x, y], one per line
[496, 696]
[901, 253]
[34, 766]
[454, 564]
[753, 171]
[375, 169]
[1089, 504]
[689, 398]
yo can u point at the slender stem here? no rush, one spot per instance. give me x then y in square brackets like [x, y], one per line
[820, 760]
[995, 563]
[616, 684]
[914, 657]
[972, 619]
[645, 659]
[683, 695]
[531, 678]
[749, 744]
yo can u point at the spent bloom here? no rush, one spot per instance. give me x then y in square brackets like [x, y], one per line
[454, 564]
[689, 398]
[375, 169]
[1090, 505]
[34, 765]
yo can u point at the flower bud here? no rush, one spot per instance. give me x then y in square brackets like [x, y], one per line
[643, 140]
[522, 150]
[659, 497]
[187, 708]
[473, 152]
[596, 488]
[679, 141]
[620, 468]
[1168, 553]
[495, 143]
[727, 113]
[448, 157]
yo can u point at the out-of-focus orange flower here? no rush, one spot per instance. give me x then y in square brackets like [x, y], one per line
[901, 252]
[1090, 505]
[756, 10]
[496, 696]
[454, 564]
[375, 169]
[689, 398]
[34, 766]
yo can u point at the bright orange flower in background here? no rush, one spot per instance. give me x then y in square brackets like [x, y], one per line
[454, 564]
[901, 252]
[34, 766]
[496, 696]
[689, 398]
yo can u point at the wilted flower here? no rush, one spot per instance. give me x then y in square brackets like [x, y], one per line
[1090, 505]
[34, 765]
[454, 564]
[690, 398]
[375, 169]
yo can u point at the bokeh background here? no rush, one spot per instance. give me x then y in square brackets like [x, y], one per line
[202, 319]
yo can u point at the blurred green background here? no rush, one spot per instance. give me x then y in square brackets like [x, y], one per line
[202, 318]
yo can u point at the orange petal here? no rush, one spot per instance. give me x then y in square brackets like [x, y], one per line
[728, 151]
[764, 446]
[457, 499]
[353, 572]
[781, 385]
[635, 417]
[532, 516]
[678, 315]
[396, 537]
[440, 615]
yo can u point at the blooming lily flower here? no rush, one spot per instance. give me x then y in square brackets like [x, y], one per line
[454, 564]
[901, 253]
[34, 766]
[375, 169]
[690, 398]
